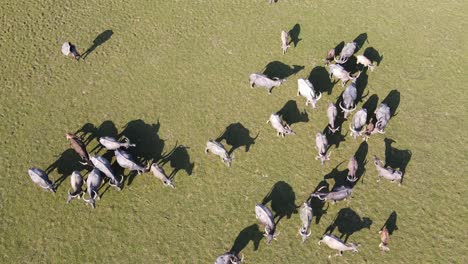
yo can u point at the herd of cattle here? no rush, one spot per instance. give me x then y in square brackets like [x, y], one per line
[359, 126]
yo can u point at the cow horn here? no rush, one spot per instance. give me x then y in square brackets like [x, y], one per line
[319, 96]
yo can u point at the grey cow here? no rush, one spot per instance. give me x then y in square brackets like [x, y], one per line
[93, 183]
[76, 181]
[159, 173]
[229, 258]
[125, 160]
[277, 124]
[306, 215]
[334, 242]
[258, 79]
[218, 149]
[352, 169]
[382, 114]
[321, 144]
[387, 173]
[337, 194]
[349, 96]
[41, 178]
[284, 41]
[331, 114]
[104, 166]
[111, 143]
[347, 52]
[265, 216]
[358, 125]
[340, 73]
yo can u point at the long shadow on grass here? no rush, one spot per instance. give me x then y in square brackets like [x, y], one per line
[98, 41]
[106, 129]
[360, 155]
[396, 158]
[294, 34]
[370, 105]
[237, 135]
[291, 114]
[283, 199]
[179, 159]
[317, 204]
[393, 101]
[281, 70]
[320, 79]
[373, 55]
[86, 133]
[250, 233]
[360, 40]
[390, 224]
[348, 222]
[66, 163]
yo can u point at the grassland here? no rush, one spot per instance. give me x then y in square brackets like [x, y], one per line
[176, 73]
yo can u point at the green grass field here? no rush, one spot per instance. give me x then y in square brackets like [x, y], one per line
[170, 73]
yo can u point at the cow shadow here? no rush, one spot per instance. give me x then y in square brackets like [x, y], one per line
[106, 129]
[361, 84]
[317, 204]
[396, 158]
[361, 158]
[338, 176]
[360, 40]
[348, 222]
[334, 139]
[281, 70]
[373, 55]
[390, 224]
[351, 65]
[149, 145]
[250, 233]
[393, 101]
[320, 79]
[282, 198]
[370, 105]
[98, 41]
[236, 135]
[290, 113]
[66, 163]
[294, 34]
[339, 48]
[86, 133]
[179, 159]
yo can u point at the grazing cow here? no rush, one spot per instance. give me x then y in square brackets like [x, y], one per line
[41, 178]
[357, 126]
[384, 237]
[258, 79]
[265, 216]
[361, 59]
[79, 147]
[321, 144]
[104, 166]
[76, 181]
[93, 183]
[218, 149]
[352, 169]
[388, 173]
[334, 242]
[331, 114]
[306, 218]
[125, 160]
[277, 124]
[229, 258]
[337, 194]
[111, 143]
[159, 173]
[347, 52]
[70, 49]
[382, 114]
[284, 41]
[340, 73]
[349, 97]
[330, 57]
[306, 89]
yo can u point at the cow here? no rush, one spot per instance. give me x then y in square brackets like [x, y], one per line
[384, 237]
[352, 169]
[347, 52]
[331, 114]
[93, 182]
[334, 242]
[340, 73]
[79, 147]
[265, 216]
[159, 173]
[70, 49]
[369, 130]
[349, 96]
[76, 181]
[218, 149]
[306, 89]
[387, 173]
[306, 215]
[321, 144]
[284, 41]
[361, 59]
[337, 194]
[382, 115]
[277, 124]
[229, 258]
[41, 178]
[104, 166]
[330, 56]
[358, 124]
[125, 160]
[111, 143]
[258, 79]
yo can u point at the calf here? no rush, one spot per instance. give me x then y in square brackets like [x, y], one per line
[284, 41]
[334, 242]
[70, 49]
[330, 57]
[352, 169]
[384, 237]
[258, 79]
[229, 258]
[79, 147]
[361, 59]
[218, 149]
[277, 124]
[387, 173]
[76, 181]
[159, 173]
